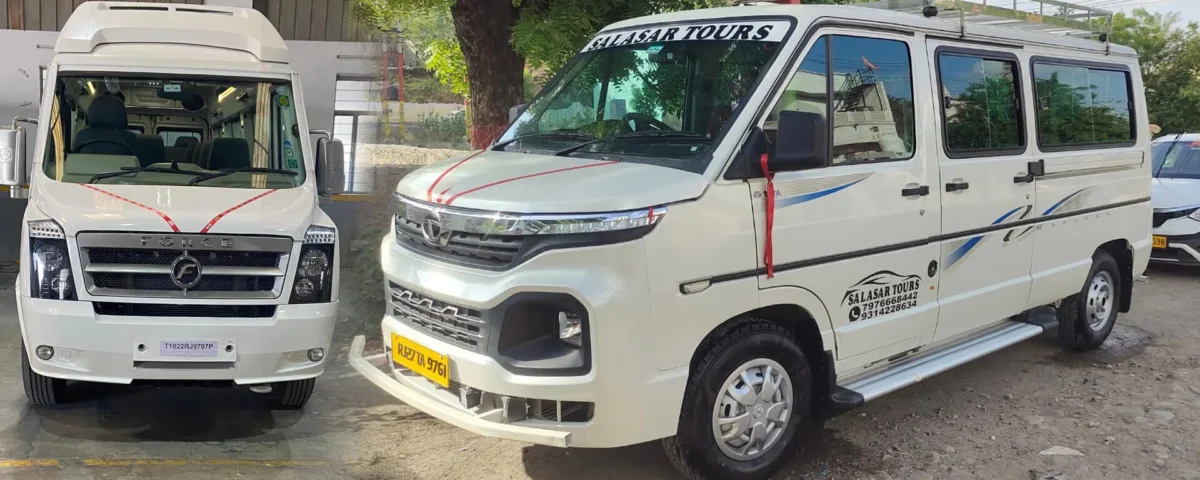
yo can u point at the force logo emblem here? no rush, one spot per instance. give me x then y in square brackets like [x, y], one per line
[185, 272]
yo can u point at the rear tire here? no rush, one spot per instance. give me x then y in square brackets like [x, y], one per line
[294, 395]
[730, 382]
[1087, 318]
[41, 390]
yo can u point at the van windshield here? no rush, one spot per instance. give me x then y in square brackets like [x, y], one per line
[1176, 159]
[174, 131]
[659, 95]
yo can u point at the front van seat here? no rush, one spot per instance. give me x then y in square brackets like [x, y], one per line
[150, 149]
[106, 120]
[229, 153]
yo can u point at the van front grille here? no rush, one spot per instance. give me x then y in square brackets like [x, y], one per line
[146, 265]
[461, 326]
[494, 251]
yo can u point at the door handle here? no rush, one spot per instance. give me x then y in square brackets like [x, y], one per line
[920, 191]
[956, 186]
[1026, 178]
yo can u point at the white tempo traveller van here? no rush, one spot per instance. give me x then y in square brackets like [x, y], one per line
[173, 230]
[712, 223]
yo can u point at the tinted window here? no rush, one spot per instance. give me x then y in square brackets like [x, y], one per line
[980, 103]
[873, 100]
[1176, 159]
[805, 92]
[1082, 106]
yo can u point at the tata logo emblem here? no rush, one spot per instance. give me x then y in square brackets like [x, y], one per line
[187, 242]
[185, 272]
[433, 231]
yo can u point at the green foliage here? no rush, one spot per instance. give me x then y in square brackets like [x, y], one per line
[1170, 58]
[440, 131]
[428, 89]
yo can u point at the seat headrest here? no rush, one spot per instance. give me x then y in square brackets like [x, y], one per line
[186, 141]
[150, 149]
[107, 111]
[229, 153]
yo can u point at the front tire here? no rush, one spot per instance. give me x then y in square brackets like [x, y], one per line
[293, 395]
[41, 390]
[743, 404]
[1087, 318]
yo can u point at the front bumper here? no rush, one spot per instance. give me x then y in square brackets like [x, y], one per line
[410, 391]
[628, 399]
[101, 348]
[1181, 249]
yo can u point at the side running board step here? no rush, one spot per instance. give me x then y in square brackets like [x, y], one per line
[912, 370]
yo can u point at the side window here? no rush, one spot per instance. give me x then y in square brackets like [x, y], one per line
[980, 104]
[806, 91]
[871, 100]
[1080, 106]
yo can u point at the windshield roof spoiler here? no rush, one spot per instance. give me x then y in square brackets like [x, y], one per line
[105, 23]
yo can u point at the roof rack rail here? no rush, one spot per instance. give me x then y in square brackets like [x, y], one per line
[1041, 16]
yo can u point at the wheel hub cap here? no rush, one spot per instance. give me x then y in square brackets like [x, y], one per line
[1099, 301]
[752, 409]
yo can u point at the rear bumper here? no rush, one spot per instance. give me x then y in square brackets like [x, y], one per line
[101, 348]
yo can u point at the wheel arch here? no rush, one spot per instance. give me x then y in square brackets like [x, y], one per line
[1122, 251]
[801, 313]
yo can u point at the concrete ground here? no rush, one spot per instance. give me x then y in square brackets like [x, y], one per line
[1131, 410]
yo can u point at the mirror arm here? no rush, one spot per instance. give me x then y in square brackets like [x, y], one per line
[16, 120]
[324, 133]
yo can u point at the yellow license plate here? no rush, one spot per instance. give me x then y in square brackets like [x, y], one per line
[1160, 241]
[428, 363]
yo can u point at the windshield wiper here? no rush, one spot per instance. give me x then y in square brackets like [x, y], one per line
[627, 135]
[231, 171]
[500, 146]
[128, 170]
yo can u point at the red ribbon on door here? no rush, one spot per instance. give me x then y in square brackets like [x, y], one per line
[768, 254]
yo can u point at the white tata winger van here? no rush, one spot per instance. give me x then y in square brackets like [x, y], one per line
[173, 230]
[713, 223]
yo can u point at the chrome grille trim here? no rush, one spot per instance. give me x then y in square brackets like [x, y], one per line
[238, 267]
[457, 325]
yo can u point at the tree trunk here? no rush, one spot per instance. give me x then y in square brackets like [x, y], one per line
[495, 72]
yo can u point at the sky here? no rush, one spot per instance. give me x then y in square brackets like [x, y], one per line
[1189, 10]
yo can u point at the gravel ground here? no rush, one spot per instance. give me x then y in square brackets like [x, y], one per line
[1127, 411]
[1130, 410]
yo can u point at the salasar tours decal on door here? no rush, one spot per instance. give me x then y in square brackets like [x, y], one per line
[769, 31]
[881, 293]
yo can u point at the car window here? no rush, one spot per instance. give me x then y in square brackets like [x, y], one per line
[979, 102]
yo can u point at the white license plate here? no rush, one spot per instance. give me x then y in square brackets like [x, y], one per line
[187, 349]
[184, 350]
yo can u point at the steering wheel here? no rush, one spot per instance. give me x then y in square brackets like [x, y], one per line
[642, 122]
[118, 143]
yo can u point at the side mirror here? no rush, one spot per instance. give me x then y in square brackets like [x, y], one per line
[13, 171]
[516, 111]
[331, 178]
[802, 142]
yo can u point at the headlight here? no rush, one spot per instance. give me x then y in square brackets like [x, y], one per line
[314, 275]
[1195, 215]
[50, 265]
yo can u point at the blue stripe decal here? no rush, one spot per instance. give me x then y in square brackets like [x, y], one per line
[962, 250]
[1060, 202]
[814, 195]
